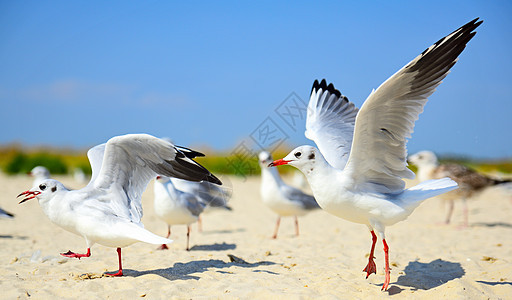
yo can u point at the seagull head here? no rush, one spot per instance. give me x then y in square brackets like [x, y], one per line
[303, 158]
[423, 158]
[39, 172]
[44, 191]
[265, 158]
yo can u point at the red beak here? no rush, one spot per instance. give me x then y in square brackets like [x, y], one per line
[29, 195]
[279, 162]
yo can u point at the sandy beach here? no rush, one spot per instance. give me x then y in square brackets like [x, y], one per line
[429, 260]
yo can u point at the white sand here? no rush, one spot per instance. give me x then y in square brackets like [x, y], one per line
[428, 260]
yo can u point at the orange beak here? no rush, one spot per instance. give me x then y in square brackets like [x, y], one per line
[28, 195]
[279, 162]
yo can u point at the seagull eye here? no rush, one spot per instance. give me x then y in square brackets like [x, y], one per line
[42, 187]
[298, 154]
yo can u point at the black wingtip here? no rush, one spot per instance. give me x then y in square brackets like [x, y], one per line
[188, 152]
[213, 179]
[323, 85]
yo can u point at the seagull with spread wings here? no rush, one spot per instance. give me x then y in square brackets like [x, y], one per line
[356, 174]
[108, 210]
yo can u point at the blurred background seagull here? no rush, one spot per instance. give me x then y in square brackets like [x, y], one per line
[214, 196]
[470, 181]
[39, 173]
[281, 198]
[176, 207]
[5, 214]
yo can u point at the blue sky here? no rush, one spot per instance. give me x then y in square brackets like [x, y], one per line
[207, 74]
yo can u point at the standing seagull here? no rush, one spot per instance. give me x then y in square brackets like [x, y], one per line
[39, 173]
[366, 186]
[283, 199]
[470, 181]
[175, 207]
[215, 197]
[108, 210]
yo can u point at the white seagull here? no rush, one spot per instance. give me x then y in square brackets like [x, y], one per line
[214, 196]
[39, 173]
[108, 210]
[470, 181]
[281, 198]
[175, 207]
[357, 173]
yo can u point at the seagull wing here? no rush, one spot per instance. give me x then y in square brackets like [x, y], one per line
[296, 195]
[330, 123]
[95, 155]
[210, 194]
[377, 159]
[194, 205]
[131, 161]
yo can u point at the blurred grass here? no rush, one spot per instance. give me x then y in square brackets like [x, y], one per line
[15, 159]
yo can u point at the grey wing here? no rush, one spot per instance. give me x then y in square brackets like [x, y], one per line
[386, 120]
[194, 205]
[211, 194]
[306, 201]
[330, 123]
[466, 178]
[131, 161]
[5, 214]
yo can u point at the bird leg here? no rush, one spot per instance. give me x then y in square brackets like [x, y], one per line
[164, 246]
[277, 228]
[188, 236]
[371, 267]
[77, 255]
[386, 256]
[296, 226]
[451, 203]
[120, 271]
[465, 210]
[199, 224]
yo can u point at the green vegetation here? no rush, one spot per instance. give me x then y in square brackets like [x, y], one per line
[15, 159]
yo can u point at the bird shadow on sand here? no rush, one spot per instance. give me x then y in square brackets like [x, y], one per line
[495, 224]
[223, 231]
[214, 247]
[13, 237]
[494, 283]
[184, 271]
[425, 276]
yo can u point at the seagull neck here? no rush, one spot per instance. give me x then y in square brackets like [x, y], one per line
[425, 172]
[171, 189]
[319, 170]
[271, 173]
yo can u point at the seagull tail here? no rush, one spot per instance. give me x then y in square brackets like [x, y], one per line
[413, 196]
[143, 235]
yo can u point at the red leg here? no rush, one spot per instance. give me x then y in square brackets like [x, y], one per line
[296, 226]
[371, 267]
[120, 271]
[199, 224]
[188, 236]
[277, 228]
[164, 246]
[386, 256]
[77, 255]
